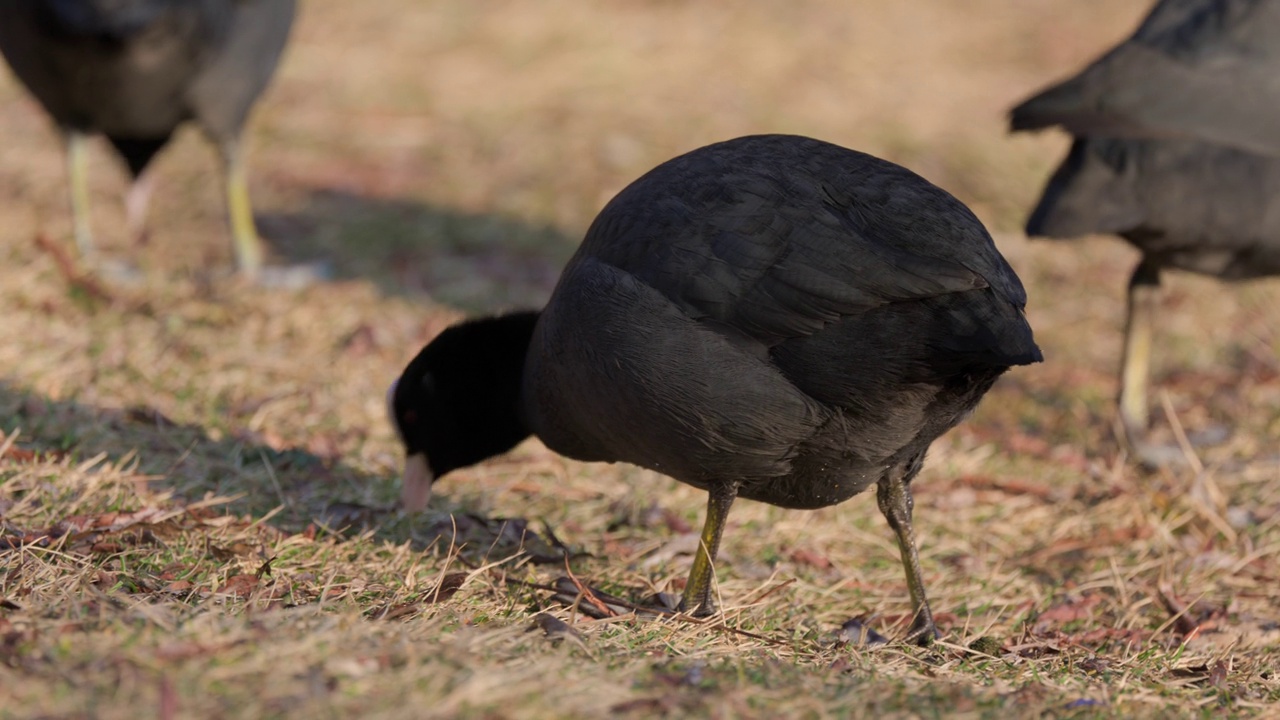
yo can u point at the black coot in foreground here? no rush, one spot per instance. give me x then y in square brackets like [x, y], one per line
[1166, 160]
[773, 317]
[134, 70]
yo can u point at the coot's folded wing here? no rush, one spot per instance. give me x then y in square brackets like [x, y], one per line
[775, 254]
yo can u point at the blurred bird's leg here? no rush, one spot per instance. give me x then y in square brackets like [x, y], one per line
[136, 202]
[78, 180]
[697, 591]
[249, 254]
[893, 494]
[1135, 370]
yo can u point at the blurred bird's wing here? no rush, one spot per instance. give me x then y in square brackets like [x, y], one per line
[1194, 69]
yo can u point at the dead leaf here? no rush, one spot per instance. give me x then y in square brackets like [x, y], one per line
[18, 455]
[239, 585]
[554, 628]
[446, 588]
[1200, 616]
[801, 556]
[396, 612]
[1218, 674]
[264, 570]
[1067, 612]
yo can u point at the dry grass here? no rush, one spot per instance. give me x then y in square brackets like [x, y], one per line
[196, 477]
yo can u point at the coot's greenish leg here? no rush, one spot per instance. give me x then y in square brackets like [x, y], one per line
[1135, 369]
[698, 597]
[893, 494]
[249, 256]
[78, 179]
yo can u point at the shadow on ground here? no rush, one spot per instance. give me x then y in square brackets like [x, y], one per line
[292, 487]
[476, 262]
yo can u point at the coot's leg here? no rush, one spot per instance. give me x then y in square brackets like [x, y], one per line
[136, 202]
[697, 591]
[240, 212]
[78, 181]
[893, 494]
[1135, 370]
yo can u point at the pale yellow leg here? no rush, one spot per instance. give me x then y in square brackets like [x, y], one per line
[136, 202]
[698, 597]
[249, 254]
[78, 180]
[893, 495]
[1135, 370]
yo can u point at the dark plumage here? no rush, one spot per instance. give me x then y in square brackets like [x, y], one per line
[1177, 151]
[773, 317]
[1205, 70]
[134, 70]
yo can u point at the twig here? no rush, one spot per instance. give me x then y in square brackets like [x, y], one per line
[67, 268]
[716, 624]
[770, 591]
[586, 592]
[1183, 443]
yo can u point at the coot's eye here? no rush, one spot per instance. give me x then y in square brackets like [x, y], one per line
[409, 417]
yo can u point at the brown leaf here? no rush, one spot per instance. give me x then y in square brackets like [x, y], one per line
[264, 570]
[168, 700]
[18, 455]
[228, 553]
[181, 650]
[446, 588]
[554, 628]
[1188, 620]
[1218, 674]
[801, 556]
[239, 585]
[397, 612]
[1066, 612]
[106, 547]
[1098, 636]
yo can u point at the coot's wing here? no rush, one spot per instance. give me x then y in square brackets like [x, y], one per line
[240, 68]
[775, 236]
[1206, 69]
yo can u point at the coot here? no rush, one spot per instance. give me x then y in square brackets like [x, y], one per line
[773, 317]
[134, 70]
[1177, 150]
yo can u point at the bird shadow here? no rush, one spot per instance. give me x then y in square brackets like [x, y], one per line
[474, 261]
[294, 489]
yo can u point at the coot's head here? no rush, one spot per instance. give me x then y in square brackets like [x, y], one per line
[458, 401]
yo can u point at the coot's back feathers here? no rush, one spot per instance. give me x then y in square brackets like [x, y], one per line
[1194, 69]
[803, 232]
